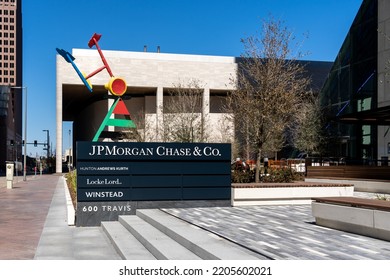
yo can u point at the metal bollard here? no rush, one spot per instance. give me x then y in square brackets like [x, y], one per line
[10, 174]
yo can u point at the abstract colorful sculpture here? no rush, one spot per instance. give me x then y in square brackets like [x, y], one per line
[116, 85]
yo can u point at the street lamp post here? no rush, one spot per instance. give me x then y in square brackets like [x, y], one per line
[48, 143]
[25, 133]
[70, 152]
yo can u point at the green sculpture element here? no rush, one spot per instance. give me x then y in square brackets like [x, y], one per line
[118, 108]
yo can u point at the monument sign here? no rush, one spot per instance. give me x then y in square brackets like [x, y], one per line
[116, 178]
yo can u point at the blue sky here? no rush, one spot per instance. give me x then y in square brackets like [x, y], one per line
[205, 27]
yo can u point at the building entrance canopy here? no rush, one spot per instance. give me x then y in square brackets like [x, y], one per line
[378, 116]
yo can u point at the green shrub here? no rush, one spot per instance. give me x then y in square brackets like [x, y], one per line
[243, 176]
[275, 175]
[281, 175]
[71, 180]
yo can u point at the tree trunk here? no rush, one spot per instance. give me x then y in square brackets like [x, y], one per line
[258, 161]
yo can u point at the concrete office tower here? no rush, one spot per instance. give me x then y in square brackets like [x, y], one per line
[10, 75]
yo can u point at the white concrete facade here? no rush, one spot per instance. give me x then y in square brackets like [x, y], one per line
[148, 76]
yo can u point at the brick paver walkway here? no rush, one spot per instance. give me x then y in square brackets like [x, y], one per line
[23, 211]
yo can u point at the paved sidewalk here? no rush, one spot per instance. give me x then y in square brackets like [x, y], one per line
[23, 211]
[59, 241]
[33, 224]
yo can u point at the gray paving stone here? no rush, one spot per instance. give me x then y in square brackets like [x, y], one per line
[285, 232]
[59, 241]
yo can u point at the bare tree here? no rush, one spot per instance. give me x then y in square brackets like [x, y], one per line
[308, 134]
[183, 119]
[270, 89]
[144, 128]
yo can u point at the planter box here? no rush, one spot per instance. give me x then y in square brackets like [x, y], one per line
[282, 194]
[365, 221]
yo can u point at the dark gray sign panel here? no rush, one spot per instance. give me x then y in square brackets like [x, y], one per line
[119, 172]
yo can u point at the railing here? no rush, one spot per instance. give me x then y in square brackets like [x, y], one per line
[300, 165]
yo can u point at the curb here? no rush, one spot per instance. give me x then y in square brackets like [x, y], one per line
[69, 205]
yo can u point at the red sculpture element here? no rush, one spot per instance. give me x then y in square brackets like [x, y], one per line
[116, 86]
[121, 109]
[94, 42]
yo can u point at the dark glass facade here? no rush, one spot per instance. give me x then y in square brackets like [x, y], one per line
[351, 88]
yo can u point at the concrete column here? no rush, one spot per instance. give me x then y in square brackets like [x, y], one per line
[159, 111]
[58, 119]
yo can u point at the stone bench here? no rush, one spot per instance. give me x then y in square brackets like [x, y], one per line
[285, 193]
[369, 217]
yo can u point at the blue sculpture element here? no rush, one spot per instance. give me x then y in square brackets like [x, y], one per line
[69, 58]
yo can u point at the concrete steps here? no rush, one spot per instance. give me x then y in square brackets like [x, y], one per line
[154, 234]
[127, 246]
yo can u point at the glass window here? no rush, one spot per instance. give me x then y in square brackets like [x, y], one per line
[366, 134]
[344, 86]
[364, 104]
[218, 101]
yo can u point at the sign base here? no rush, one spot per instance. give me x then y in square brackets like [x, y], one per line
[93, 213]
